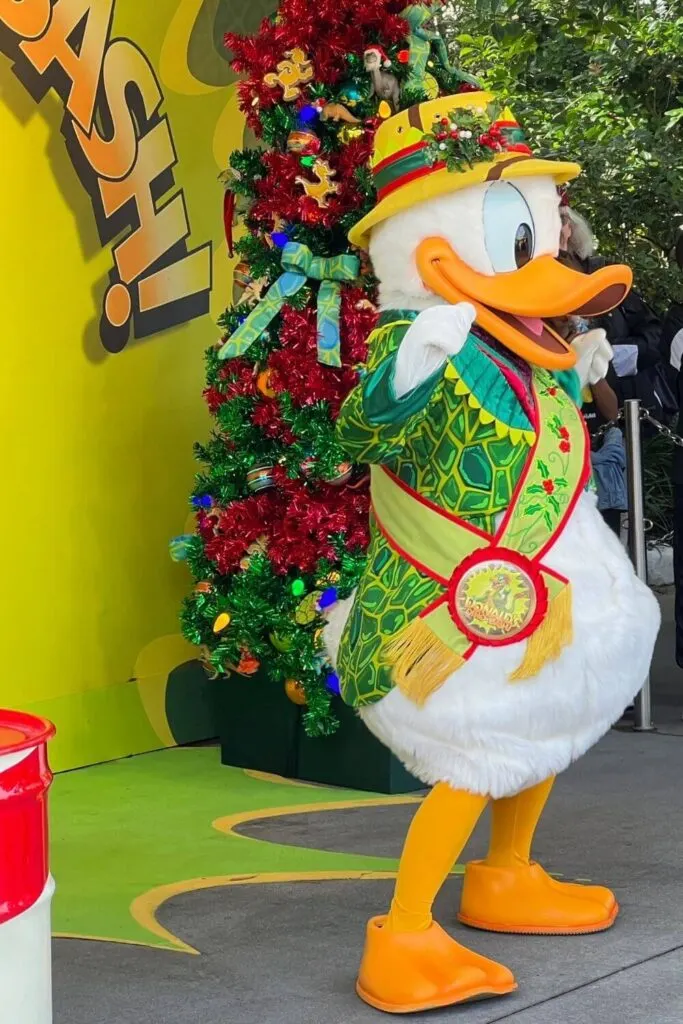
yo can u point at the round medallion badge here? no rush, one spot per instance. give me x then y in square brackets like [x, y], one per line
[497, 596]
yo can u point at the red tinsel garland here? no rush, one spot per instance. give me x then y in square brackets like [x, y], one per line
[348, 26]
[297, 522]
[302, 536]
[239, 379]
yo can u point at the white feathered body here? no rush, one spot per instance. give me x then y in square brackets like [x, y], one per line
[481, 732]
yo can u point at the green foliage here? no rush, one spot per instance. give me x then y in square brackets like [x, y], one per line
[599, 82]
[246, 170]
[277, 122]
[658, 490]
[263, 260]
[462, 147]
[260, 608]
[314, 433]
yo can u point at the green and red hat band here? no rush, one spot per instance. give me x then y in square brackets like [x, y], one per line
[406, 165]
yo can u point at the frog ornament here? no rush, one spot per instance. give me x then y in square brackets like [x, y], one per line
[498, 630]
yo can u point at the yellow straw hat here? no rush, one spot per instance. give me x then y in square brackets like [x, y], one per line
[409, 168]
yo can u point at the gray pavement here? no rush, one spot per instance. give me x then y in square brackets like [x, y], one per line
[288, 954]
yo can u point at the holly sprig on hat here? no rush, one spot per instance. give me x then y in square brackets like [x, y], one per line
[464, 137]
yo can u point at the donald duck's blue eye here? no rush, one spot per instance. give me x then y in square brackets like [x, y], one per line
[508, 228]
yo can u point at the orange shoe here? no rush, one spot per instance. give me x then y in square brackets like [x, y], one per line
[405, 972]
[599, 893]
[524, 899]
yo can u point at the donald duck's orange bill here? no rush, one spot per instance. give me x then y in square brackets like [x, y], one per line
[513, 306]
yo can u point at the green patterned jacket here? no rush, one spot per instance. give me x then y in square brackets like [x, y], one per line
[460, 439]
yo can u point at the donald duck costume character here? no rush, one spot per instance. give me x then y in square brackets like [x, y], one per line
[498, 630]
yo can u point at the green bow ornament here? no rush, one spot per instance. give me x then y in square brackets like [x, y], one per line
[299, 264]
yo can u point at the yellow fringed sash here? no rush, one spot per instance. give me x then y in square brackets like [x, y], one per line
[420, 661]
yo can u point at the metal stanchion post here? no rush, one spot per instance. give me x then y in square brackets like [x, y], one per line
[636, 536]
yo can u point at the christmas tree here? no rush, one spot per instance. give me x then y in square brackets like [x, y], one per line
[281, 515]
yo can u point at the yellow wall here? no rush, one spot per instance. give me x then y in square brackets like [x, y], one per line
[97, 447]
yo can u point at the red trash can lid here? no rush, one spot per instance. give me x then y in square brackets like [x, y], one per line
[19, 731]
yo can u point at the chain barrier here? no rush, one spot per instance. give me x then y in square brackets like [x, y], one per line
[602, 430]
[661, 428]
[645, 417]
[665, 431]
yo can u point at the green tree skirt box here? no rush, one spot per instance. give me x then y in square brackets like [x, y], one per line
[260, 728]
[257, 725]
[353, 758]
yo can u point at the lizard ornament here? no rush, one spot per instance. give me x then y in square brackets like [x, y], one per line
[423, 43]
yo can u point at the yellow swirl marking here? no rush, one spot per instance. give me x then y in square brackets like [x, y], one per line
[231, 821]
[173, 69]
[153, 667]
[279, 780]
[229, 128]
[144, 907]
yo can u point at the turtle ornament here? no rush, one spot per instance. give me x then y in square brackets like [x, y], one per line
[498, 629]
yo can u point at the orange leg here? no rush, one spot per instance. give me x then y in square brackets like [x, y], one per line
[410, 963]
[508, 892]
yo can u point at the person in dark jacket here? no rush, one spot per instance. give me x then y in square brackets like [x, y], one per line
[672, 349]
[600, 402]
[633, 329]
[672, 331]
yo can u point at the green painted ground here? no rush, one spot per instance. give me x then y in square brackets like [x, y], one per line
[121, 829]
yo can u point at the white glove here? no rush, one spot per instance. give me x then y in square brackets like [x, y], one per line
[434, 336]
[593, 356]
